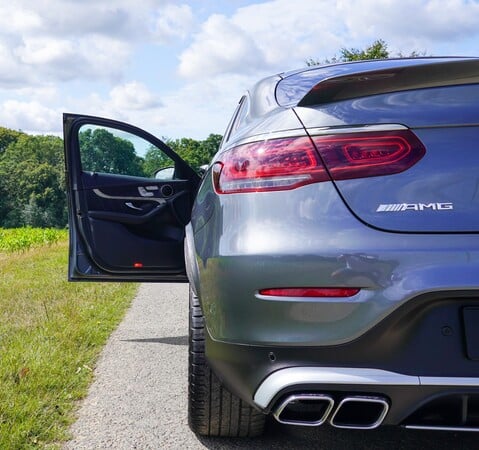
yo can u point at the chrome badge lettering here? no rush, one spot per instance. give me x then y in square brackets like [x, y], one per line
[400, 207]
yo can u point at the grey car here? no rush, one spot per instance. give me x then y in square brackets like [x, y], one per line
[331, 247]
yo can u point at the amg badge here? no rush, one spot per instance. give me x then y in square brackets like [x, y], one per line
[399, 207]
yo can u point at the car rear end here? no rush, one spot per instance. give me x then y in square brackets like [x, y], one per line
[337, 248]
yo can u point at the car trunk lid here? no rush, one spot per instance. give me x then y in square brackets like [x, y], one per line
[439, 191]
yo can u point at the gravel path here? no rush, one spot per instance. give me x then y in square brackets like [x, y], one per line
[138, 398]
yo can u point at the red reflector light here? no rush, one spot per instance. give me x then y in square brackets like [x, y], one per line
[359, 155]
[309, 292]
[138, 265]
[273, 165]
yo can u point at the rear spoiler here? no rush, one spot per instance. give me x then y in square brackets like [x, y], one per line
[397, 79]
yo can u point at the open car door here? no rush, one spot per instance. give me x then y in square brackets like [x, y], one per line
[127, 219]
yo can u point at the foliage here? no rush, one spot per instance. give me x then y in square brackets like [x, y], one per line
[155, 159]
[51, 333]
[377, 50]
[32, 182]
[21, 239]
[101, 151]
[7, 137]
[195, 153]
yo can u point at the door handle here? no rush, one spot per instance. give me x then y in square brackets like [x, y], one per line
[146, 191]
[132, 206]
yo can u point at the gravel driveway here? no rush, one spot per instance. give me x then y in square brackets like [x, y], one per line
[138, 398]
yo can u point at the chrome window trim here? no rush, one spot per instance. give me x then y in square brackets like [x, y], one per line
[296, 132]
[358, 129]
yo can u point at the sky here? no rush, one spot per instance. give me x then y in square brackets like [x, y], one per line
[178, 68]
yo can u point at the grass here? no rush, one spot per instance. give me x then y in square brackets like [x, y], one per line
[51, 333]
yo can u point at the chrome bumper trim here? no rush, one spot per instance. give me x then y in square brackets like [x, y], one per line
[285, 378]
[439, 428]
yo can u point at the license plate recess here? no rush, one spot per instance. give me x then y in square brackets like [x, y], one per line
[471, 331]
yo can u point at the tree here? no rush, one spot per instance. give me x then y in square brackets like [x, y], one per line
[377, 50]
[195, 153]
[210, 146]
[155, 159]
[102, 151]
[7, 137]
[31, 171]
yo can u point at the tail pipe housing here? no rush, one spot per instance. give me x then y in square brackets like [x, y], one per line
[360, 412]
[304, 409]
[314, 409]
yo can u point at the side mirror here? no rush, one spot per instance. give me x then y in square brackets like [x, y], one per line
[202, 170]
[165, 173]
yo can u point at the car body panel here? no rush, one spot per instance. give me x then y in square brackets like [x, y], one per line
[439, 193]
[252, 248]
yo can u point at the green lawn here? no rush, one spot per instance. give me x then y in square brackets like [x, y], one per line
[51, 333]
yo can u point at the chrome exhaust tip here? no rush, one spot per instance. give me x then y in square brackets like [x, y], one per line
[309, 410]
[360, 412]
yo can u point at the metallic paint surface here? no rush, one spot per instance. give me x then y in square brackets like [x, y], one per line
[308, 237]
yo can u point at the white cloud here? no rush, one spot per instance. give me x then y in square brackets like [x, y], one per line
[58, 40]
[29, 116]
[44, 50]
[220, 47]
[133, 95]
[173, 21]
[411, 24]
[80, 54]
[279, 35]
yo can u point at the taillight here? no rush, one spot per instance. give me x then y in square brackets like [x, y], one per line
[359, 155]
[273, 165]
[281, 164]
[309, 292]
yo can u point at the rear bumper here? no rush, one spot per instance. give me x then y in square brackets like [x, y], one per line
[416, 355]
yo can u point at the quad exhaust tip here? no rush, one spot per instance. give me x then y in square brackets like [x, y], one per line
[360, 412]
[352, 412]
[309, 410]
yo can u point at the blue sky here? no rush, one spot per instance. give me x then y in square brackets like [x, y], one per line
[178, 68]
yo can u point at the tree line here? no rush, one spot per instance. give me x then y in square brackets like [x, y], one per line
[32, 177]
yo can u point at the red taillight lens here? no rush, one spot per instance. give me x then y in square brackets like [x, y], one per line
[273, 165]
[281, 164]
[359, 155]
[309, 292]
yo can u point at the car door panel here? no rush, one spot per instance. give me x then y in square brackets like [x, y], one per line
[125, 227]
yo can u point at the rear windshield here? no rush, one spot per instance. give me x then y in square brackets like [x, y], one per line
[291, 89]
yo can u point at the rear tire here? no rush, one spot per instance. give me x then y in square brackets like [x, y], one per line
[212, 409]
